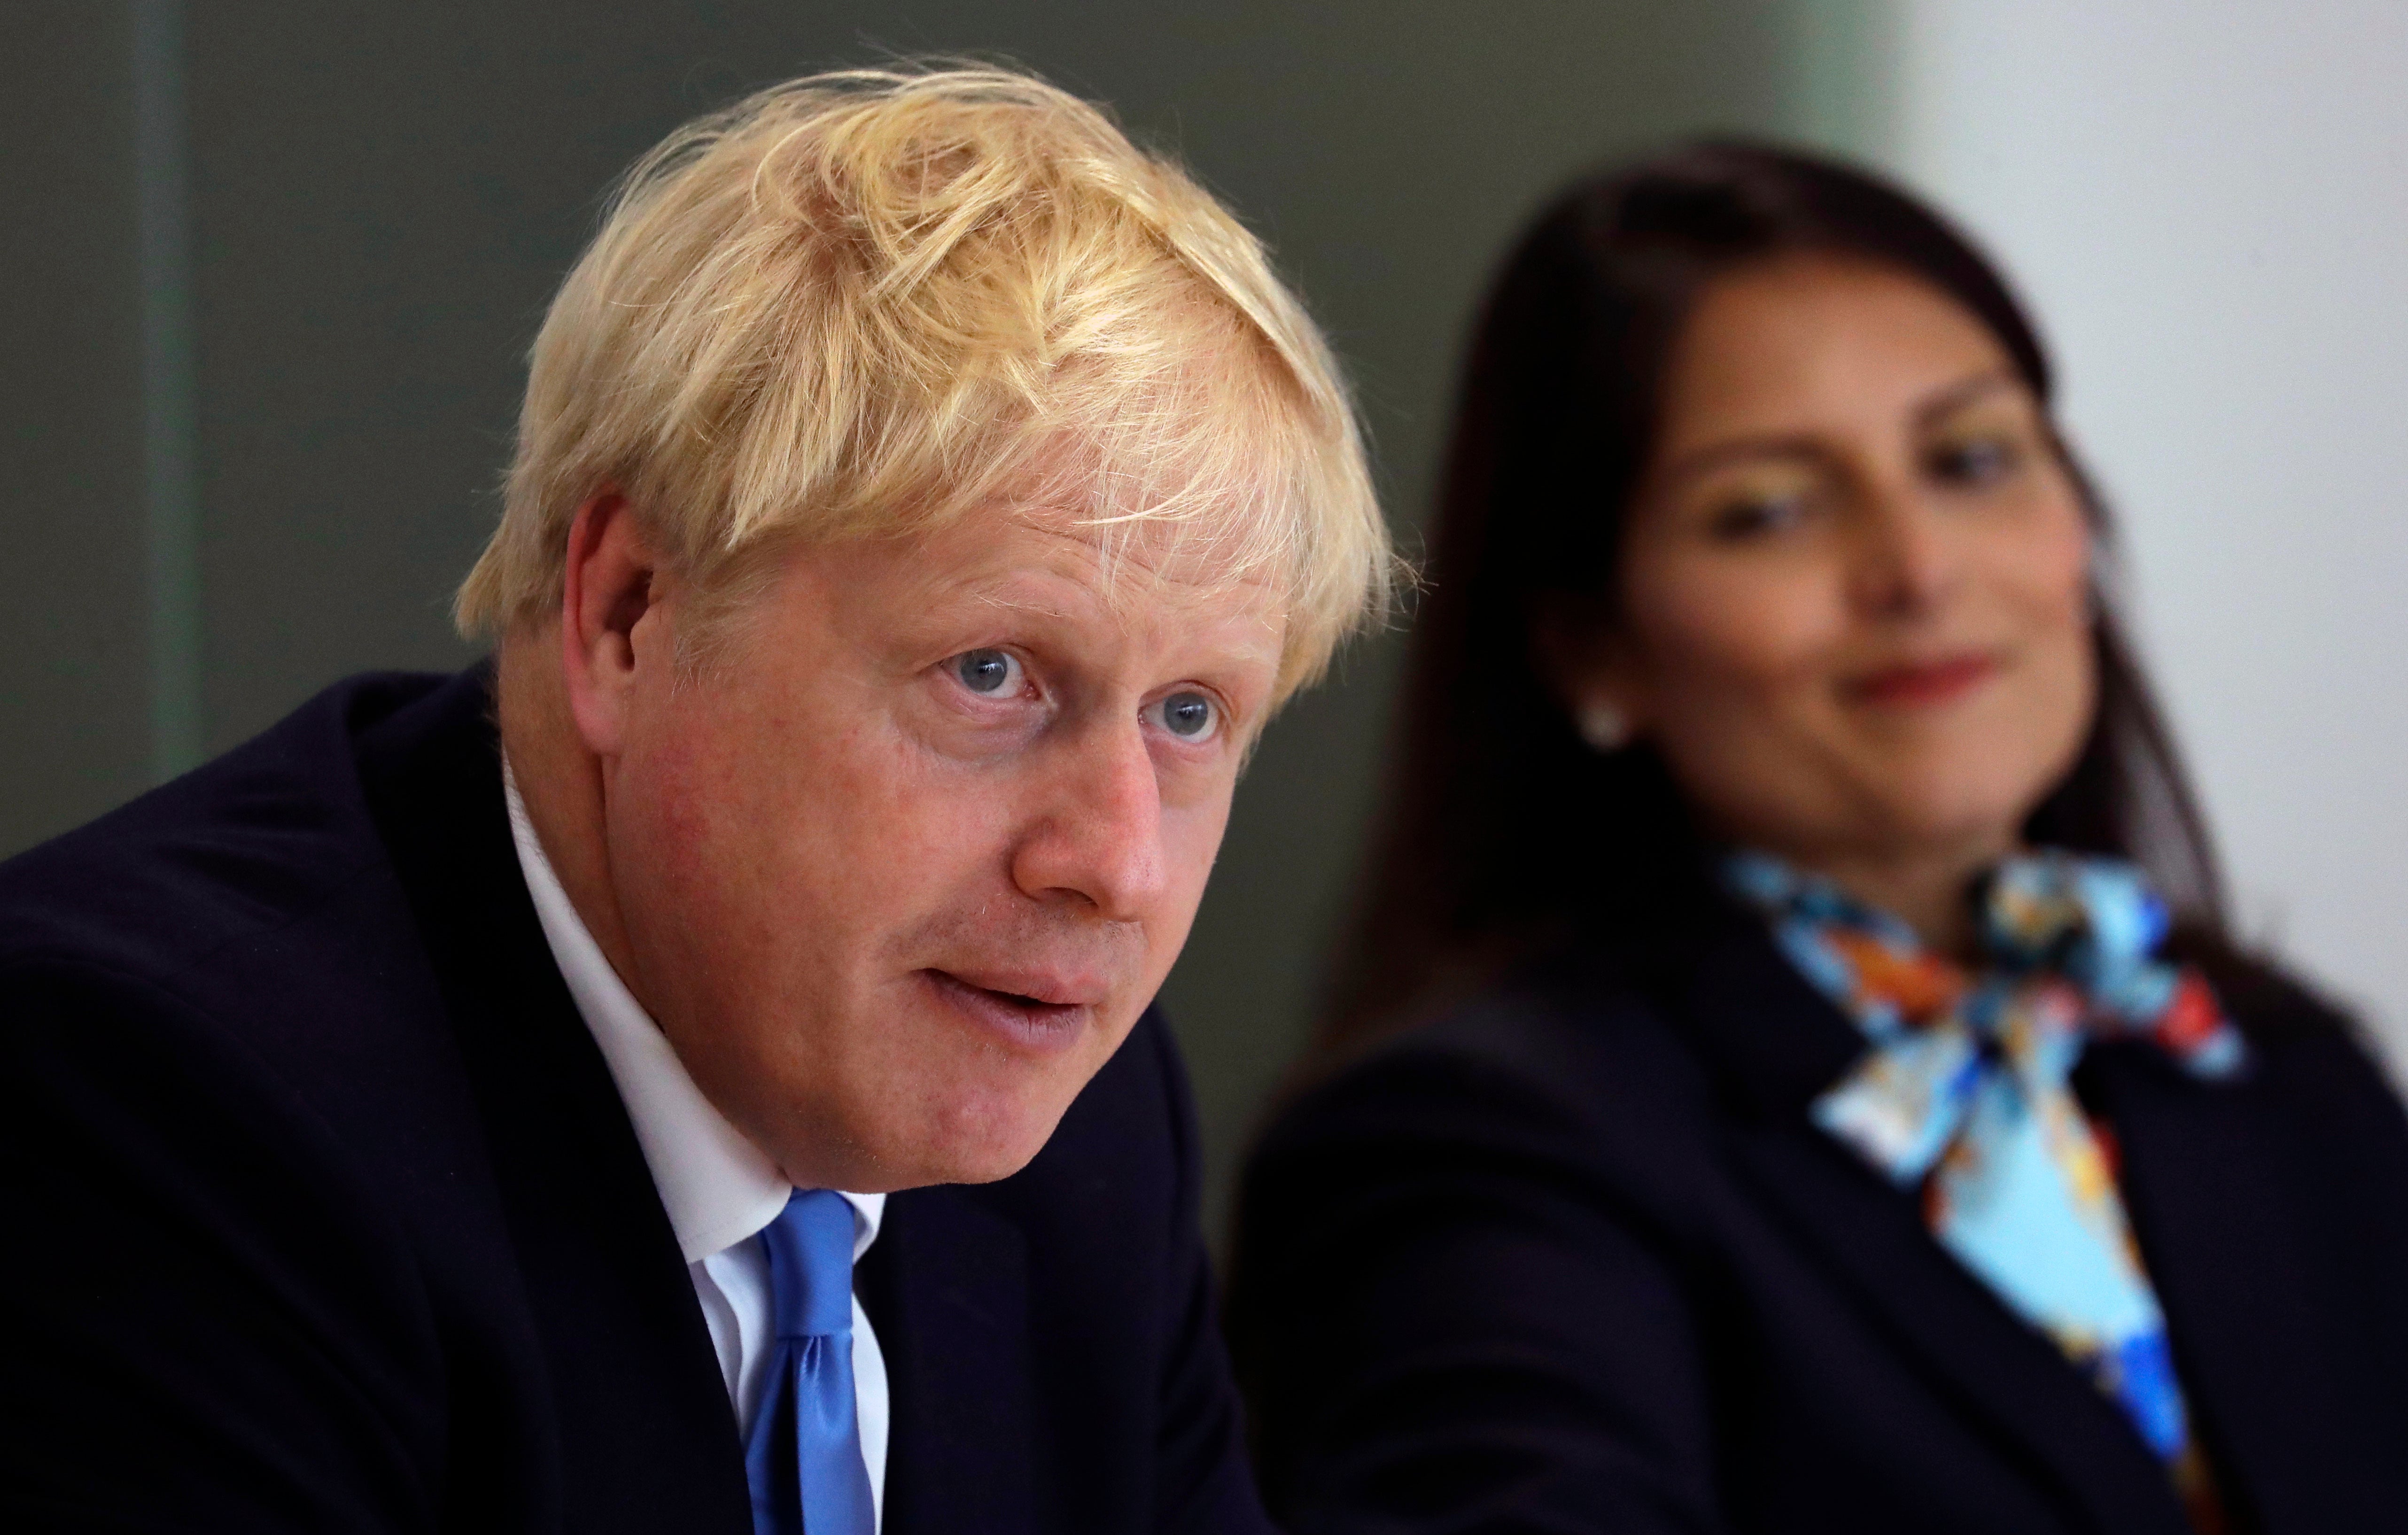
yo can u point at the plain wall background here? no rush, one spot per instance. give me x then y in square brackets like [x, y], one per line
[2207, 204]
[382, 198]
[75, 725]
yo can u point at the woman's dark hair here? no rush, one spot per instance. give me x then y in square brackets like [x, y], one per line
[1502, 828]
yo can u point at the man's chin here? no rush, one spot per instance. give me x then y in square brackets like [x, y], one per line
[987, 1157]
[975, 1142]
[984, 1170]
[979, 1113]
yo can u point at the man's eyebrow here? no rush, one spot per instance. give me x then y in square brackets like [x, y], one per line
[1011, 595]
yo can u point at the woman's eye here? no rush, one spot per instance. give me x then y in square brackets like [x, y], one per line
[1188, 716]
[989, 673]
[1974, 461]
[1751, 516]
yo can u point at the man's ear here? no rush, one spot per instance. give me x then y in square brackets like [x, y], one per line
[610, 621]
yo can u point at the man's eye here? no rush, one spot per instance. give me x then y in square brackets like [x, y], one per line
[991, 673]
[1190, 716]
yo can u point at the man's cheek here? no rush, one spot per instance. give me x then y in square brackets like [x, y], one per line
[909, 799]
[1191, 842]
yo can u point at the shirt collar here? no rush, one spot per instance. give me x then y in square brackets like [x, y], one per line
[718, 1187]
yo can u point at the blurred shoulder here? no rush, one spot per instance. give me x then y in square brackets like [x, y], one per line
[1566, 1057]
[2276, 1007]
[2317, 1063]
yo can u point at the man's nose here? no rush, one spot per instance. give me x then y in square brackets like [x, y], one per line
[1099, 840]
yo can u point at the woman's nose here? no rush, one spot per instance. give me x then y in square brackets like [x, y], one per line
[1906, 559]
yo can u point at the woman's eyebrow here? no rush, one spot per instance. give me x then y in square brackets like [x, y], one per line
[1740, 450]
[1947, 399]
[1965, 391]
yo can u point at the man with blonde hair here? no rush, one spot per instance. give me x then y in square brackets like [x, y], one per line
[698, 1068]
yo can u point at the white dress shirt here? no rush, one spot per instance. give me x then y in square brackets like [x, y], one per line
[720, 1190]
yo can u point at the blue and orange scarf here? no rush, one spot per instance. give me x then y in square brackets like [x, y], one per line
[1965, 1092]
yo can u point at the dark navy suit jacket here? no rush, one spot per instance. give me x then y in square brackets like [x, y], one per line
[1575, 1258]
[324, 1213]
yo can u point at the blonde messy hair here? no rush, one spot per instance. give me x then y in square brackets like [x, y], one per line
[873, 300]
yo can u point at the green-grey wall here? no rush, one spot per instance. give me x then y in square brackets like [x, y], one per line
[74, 725]
[381, 199]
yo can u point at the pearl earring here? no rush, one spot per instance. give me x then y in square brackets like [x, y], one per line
[1605, 728]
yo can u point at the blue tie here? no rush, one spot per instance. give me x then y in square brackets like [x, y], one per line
[803, 1456]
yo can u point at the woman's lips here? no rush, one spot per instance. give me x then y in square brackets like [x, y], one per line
[1923, 683]
[1023, 1021]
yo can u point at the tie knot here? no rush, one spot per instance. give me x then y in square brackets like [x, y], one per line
[811, 1265]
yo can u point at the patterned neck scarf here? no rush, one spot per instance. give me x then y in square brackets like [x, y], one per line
[1965, 1091]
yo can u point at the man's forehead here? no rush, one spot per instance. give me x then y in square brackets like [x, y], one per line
[1058, 563]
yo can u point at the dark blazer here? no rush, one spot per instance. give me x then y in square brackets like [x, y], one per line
[1573, 1258]
[325, 1215]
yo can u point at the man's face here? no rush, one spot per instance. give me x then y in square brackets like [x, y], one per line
[899, 872]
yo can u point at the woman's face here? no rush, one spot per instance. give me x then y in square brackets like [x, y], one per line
[1855, 614]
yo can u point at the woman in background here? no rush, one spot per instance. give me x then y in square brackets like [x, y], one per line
[1790, 1074]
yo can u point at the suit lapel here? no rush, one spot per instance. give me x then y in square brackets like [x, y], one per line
[946, 1285]
[1777, 1044]
[646, 1438]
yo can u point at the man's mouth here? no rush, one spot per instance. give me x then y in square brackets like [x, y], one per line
[1033, 1013]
